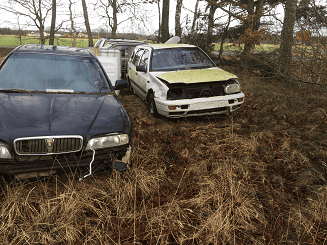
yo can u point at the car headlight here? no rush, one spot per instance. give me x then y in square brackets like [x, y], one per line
[107, 141]
[232, 88]
[4, 151]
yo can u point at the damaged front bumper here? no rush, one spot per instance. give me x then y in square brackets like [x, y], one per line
[24, 167]
[199, 106]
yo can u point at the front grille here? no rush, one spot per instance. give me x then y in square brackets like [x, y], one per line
[47, 145]
[211, 110]
[197, 90]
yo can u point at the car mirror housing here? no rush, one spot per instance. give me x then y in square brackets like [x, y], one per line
[120, 84]
[141, 68]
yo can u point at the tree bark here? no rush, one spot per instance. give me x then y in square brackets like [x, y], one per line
[195, 16]
[72, 23]
[223, 38]
[159, 31]
[114, 16]
[41, 28]
[165, 21]
[285, 57]
[255, 10]
[178, 29]
[87, 24]
[213, 8]
[53, 22]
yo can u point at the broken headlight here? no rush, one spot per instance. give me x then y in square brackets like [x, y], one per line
[232, 88]
[107, 141]
[4, 151]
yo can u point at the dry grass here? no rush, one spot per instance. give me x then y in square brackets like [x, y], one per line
[257, 177]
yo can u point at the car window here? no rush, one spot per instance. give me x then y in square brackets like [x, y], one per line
[48, 72]
[137, 57]
[145, 58]
[179, 59]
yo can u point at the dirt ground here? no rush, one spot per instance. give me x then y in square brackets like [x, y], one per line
[256, 176]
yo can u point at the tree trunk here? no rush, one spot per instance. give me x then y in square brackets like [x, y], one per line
[87, 24]
[223, 38]
[53, 22]
[114, 16]
[41, 27]
[72, 23]
[195, 16]
[213, 8]
[253, 24]
[159, 31]
[178, 29]
[285, 57]
[165, 21]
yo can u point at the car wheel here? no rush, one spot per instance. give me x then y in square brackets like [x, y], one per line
[152, 105]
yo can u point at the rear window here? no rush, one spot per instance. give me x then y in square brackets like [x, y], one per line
[48, 72]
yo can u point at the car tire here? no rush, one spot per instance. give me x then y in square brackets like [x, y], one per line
[152, 105]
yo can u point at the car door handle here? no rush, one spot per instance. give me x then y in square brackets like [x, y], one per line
[135, 73]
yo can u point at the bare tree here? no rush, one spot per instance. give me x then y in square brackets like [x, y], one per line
[178, 28]
[287, 36]
[87, 24]
[53, 22]
[249, 13]
[36, 10]
[72, 26]
[195, 16]
[125, 10]
[221, 50]
[165, 21]
[159, 30]
[212, 9]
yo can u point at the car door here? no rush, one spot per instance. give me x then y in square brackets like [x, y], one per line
[134, 75]
[143, 77]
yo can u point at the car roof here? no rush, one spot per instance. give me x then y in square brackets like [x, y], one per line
[123, 40]
[165, 45]
[52, 49]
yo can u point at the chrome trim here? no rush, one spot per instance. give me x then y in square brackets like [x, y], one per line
[45, 146]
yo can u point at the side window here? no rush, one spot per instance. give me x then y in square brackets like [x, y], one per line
[137, 57]
[145, 58]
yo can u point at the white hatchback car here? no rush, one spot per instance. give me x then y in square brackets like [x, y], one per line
[180, 80]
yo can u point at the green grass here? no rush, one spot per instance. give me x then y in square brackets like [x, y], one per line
[231, 47]
[10, 40]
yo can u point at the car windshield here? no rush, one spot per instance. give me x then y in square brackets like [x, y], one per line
[179, 59]
[52, 73]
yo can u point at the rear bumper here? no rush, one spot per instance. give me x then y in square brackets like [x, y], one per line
[199, 106]
[27, 164]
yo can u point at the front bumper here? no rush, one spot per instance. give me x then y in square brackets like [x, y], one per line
[199, 106]
[28, 164]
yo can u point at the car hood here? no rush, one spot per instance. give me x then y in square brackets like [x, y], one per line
[195, 76]
[33, 114]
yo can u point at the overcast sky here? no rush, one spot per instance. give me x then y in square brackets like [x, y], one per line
[10, 20]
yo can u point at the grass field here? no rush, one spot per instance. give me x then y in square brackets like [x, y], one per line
[232, 47]
[255, 177]
[10, 40]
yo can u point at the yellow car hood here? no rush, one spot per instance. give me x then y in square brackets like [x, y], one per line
[196, 76]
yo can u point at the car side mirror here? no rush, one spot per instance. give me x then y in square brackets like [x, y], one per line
[141, 68]
[120, 84]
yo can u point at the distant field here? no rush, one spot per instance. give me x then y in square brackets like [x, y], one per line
[231, 47]
[11, 40]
